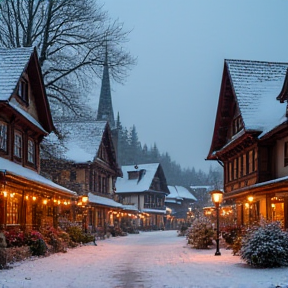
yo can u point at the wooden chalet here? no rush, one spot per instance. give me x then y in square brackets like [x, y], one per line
[180, 201]
[250, 139]
[145, 187]
[27, 200]
[85, 161]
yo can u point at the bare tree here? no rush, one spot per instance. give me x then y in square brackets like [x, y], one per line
[71, 37]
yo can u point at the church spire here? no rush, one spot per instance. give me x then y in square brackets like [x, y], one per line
[105, 108]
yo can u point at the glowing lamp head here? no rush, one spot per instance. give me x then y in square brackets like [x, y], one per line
[45, 201]
[217, 196]
[250, 198]
[5, 193]
[84, 199]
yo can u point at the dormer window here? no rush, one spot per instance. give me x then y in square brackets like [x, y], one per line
[23, 90]
[31, 151]
[237, 125]
[18, 145]
[3, 136]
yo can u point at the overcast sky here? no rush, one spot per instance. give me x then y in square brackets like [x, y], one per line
[171, 95]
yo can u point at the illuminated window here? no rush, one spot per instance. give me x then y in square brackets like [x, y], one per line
[31, 151]
[3, 136]
[13, 210]
[18, 145]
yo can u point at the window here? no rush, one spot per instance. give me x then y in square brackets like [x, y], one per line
[31, 151]
[13, 210]
[237, 125]
[18, 145]
[23, 90]
[286, 154]
[3, 136]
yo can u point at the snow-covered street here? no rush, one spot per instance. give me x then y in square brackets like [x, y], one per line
[149, 259]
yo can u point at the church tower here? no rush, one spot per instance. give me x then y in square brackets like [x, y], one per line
[105, 108]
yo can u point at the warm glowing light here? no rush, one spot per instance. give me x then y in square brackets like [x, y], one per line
[246, 205]
[273, 205]
[5, 193]
[26, 197]
[34, 198]
[45, 201]
[250, 198]
[129, 214]
[59, 202]
[65, 203]
[69, 202]
[217, 196]
[79, 203]
[85, 199]
[54, 200]
[11, 195]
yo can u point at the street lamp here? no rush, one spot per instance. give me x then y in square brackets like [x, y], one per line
[217, 198]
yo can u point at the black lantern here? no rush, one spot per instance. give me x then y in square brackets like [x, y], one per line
[217, 198]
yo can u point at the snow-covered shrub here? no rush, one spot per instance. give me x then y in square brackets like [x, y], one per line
[37, 244]
[265, 245]
[15, 238]
[77, 235]
[201, 232]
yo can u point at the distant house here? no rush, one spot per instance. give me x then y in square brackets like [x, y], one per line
[251, 139]
[179, 200]
[27, 200]
[145, 187]
[85, 161]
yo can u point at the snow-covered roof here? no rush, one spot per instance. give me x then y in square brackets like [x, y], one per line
[103, 201]
[10, 167]
[110, 202]
[124, 184]
[82, 139]
[13, 62]
[154, 211]
[256, 85]
[179, 193]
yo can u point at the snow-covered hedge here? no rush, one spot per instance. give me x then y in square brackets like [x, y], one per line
[265, 246]
[201, 232]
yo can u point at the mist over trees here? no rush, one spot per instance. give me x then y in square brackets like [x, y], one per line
[71, 37]
[131, 152]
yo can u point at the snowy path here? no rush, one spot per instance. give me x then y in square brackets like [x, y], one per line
[148, 260]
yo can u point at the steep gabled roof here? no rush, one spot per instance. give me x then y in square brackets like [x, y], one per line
[180, 193]
[254, 86]
[139, 184]
[82, 139]
[13, 63]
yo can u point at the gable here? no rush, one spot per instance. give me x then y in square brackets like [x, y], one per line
[83, 140]
[20, 66]
[150, 176]
[247, 100]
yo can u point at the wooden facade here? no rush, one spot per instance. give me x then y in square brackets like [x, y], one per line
[27, 200]
[89, 167]
[250, 138]
[145, 187]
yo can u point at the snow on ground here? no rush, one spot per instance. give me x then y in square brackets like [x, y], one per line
[146, 260]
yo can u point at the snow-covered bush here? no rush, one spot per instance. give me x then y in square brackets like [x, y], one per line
[201, 232]
[265, 245]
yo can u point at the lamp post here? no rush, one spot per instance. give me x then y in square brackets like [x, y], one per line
[217, 197]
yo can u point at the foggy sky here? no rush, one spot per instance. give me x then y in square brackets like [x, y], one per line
[171, 95]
